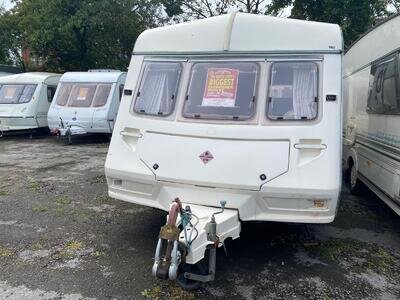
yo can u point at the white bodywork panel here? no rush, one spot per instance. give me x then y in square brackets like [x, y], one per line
[31, 115]
[236, 163]
[83, 120]
[372, 140]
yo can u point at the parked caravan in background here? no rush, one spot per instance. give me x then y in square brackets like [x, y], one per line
[25, 99]
[9, 70]
[372, 113]
[237, 118]
[86, 102]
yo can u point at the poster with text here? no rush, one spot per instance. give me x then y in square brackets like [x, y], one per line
[221, 87]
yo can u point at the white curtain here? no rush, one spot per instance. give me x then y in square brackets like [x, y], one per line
[154, 97]
[304, 92]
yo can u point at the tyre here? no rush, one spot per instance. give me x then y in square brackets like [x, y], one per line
[354, 182]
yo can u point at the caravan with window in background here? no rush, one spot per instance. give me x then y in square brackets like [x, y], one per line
[86, 102]
[25, 100]
[371, 152]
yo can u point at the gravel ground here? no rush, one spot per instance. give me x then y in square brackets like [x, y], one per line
[62, 237]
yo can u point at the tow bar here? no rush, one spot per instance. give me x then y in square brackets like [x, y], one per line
[187, 236]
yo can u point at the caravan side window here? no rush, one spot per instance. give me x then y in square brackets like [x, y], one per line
[293, 91]
[51, 90]
[222, 90]
[383, 96]
[158, 88]
[15, 94]
[63, 94]
[102, 93]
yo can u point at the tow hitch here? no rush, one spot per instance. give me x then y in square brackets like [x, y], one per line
[188, 235]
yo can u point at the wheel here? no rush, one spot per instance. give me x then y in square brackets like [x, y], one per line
[355, 183]
[189, 284]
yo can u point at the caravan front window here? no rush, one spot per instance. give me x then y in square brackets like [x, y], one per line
[63, 94]
[82, 95]
[221, 90]
[15, 94]
[158, 88]
[102, 93]
[293, 91]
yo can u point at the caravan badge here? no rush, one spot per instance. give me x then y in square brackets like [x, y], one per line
[206, 157]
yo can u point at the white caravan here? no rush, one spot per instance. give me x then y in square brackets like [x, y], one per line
[9, 70]
[25, 100]
[239, 111]
[371, 151]
[86, 102]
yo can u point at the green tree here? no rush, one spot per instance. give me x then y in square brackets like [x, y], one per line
[10, 40]
[354, 16]
[198, 9]
[82, 34]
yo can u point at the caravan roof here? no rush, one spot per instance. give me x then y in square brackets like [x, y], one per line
[92, 76]
[241, 32]
[381, 40]
[33, 77]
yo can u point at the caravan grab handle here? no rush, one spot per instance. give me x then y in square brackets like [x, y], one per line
[310, 146]
[131, 134]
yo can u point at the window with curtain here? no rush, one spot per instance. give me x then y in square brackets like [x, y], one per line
[384, 94]
[222, 90]
[158, 88]
[63, 94]
[102, 94]
[293, 91]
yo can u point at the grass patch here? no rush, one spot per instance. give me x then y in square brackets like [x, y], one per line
[99, 254]
[362, 256]
[62, 200]
[103, 199]
[172, 292]
[60, 211]
[74, 246]
[34, 186]
[5, 253]
[40, 209]
[3, 193]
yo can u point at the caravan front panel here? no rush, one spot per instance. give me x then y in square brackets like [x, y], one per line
[86, 102]
[254, 123]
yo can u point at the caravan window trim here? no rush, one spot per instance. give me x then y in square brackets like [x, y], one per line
[315, 62]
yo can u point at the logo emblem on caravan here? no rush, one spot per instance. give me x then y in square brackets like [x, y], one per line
[206, 157]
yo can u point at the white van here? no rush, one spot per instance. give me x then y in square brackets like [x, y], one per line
[25, 100]
[371, 152]
[86, 102]
[240, 111]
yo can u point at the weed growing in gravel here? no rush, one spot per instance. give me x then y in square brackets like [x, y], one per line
[98, 254]
[172, 292]
[3, 193]
[74, 246]
[361, 256]
[63, 200]
[5, 253]
[34, 186]
[40, 209]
